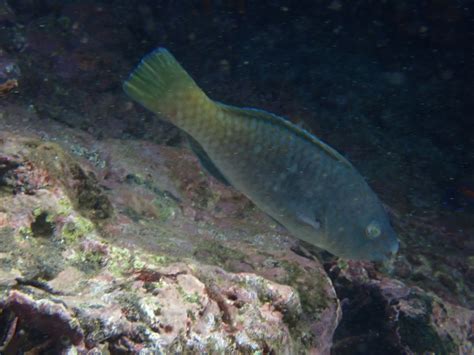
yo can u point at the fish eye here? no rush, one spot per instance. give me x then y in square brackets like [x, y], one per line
[373, 230]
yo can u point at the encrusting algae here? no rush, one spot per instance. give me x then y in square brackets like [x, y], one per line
[298, 180]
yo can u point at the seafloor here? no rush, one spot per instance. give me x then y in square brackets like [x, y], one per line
[114, 240]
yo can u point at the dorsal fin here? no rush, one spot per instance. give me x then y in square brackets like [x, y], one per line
[280, 121]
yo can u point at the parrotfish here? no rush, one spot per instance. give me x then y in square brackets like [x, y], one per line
[290, 174]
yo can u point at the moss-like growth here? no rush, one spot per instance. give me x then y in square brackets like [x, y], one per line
[120, 261]
[193, 298]
[91, 155]
[64, 207]
[90, 261]
[166, 208]
[6, 172]
[7, 239]
[189, 297]
[163, 207]
[37, 211]
[309, 287]
[342, 264]
[137, 179]
[25, 232]
[82, 188]
[420, 336]
[214, 253]
[161, 260]
[76, 229]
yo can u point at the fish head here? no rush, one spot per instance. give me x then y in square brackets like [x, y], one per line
[360, 229]
[374, 240]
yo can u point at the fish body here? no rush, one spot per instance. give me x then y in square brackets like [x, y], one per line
[300, 181]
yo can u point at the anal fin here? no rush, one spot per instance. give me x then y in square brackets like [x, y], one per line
[206, 161]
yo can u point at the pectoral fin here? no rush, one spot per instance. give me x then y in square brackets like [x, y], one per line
[312, 222]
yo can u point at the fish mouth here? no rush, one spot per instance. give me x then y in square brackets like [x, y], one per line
[391, 253]
[384, 256]
[394, 247]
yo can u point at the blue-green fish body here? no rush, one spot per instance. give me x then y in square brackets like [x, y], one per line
[290, 174]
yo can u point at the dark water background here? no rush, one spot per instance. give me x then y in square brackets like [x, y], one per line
[389, 84]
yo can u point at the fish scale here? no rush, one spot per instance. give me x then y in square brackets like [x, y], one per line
[298, 180]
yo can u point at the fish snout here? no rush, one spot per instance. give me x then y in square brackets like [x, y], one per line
[394, 247]
[392, 251]
[385, 252]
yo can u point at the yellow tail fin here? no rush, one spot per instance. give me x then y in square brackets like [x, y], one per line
[162, 85]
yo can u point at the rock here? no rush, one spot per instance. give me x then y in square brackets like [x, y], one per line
[51, 317]
[43, 165]
[9, 73]
[164, 309]
[383, 314]
[149, 264]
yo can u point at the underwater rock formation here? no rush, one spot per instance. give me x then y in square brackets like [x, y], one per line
[160, 256]
[165, 264]
[384, 315]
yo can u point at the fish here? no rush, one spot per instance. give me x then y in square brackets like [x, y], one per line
[287, 172]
